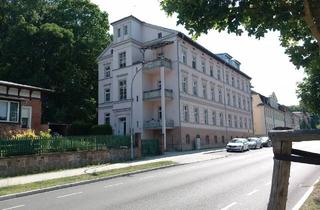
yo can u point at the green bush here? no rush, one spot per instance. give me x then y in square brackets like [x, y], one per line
[79, 128]
[101, 130]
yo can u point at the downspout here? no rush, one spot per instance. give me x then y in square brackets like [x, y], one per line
[179, 103]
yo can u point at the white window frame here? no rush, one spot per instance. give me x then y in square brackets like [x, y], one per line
[106, 116]
[214, 118]
[185, 84]
[206, 117]
[195, 87]
[9, 111]
[122, 59]
[125, 30]
[122, 90]
[196, 114]
[184, 56]
[107, 94]
[186, 113]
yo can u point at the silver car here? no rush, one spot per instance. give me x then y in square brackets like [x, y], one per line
[238, 144]
[254, 143]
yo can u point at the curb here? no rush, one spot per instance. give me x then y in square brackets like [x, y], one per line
[58, 187]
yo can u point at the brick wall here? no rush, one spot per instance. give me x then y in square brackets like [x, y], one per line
[13, 166]
[6, 128]
[36, 113]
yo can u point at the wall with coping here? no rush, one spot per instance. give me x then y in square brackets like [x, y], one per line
[27, 164]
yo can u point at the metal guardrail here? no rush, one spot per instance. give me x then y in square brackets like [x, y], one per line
[156, 93]
[159, 62]
[284, 154]
[157, 124]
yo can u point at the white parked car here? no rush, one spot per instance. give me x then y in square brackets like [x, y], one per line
[254, 143]
[266, 142]
[238, 144]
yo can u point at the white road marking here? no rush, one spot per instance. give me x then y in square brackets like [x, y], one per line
[268, 183]
[229, 206]
[305, 197]
[13, 207]
[146, 177]
[113, 185]
[252, 192]
[71, 194]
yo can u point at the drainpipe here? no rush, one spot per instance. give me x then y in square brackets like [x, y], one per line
[163, 108]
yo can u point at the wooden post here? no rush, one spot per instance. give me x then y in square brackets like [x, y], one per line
[280, 177]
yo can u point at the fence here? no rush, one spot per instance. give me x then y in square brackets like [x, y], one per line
[284, 154]
[15, 147]
[150, 147]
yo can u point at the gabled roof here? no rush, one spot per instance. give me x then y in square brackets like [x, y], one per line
[130, 16]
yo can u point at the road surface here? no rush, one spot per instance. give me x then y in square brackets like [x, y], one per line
[238, 181]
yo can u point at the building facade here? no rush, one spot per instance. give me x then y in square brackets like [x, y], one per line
[269, 114]
[20, 107]
[169, 87]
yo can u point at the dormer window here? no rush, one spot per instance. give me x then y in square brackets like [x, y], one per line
[119, 32]
[159, 35]
[125, 30]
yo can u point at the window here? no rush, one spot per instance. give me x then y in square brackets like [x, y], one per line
[239, 101]
[185, 84]
[122, 90]
[186, 113]
[214, 118]
[221, 119]
[241, 123]
[107, 94]
[206, 117]
[119, 32]
[107, 70]
[107, 118]
[245, 123]
[159, 35]
[232, 81]
[242, 85]
[215, 139]
[159, 113]
[194, 62]
[228, 99]
[238, 83]
[227, 78]
[204, 91]
[159, 84]
[235, 121]
[184, 56]
[244, 103]
[187, 139]
[220, 95]
[213, 97]
[125, 30]
[230, 120]
[207, 139]
[219, 74]
[122, 59]
[234, 100]
[203, 66]
[248, 103]
[211, 71]
[195, 87]
[9, 111]
[196, 115]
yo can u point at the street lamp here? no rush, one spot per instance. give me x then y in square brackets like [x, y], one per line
[132, 99]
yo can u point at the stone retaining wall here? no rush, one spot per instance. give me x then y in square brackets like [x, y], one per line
[27, 164]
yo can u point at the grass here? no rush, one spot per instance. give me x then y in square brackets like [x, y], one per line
[68, 180]
[313, 202]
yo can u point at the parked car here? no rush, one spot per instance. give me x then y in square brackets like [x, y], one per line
[254, 143]
[266, 141]
[238, 144]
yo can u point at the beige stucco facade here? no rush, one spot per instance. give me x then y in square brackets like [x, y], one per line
[180, 89]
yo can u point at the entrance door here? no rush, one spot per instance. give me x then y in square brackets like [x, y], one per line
[122, 126]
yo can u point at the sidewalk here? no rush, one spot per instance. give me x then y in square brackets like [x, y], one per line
[178, 157]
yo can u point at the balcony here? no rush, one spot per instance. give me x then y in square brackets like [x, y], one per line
[156, 94]
[157, 124]
[157, 63]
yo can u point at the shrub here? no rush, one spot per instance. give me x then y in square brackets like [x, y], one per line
[25, 134]
[45, 134]
[101, 130]
[79, 128]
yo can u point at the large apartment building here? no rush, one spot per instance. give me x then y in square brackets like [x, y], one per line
[269, 114]
[162, 84]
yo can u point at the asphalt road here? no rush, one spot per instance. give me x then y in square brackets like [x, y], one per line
[239, 181]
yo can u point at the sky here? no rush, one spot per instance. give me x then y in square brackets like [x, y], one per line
[263, 60]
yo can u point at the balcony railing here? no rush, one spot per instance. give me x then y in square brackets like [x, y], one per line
[157, 124]
[159, 62]
[155, 94]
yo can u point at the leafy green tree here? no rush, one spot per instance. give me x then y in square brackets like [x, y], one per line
[54, 44]
[298, 22]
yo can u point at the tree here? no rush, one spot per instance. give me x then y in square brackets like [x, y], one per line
[54, 44]
[298, 22]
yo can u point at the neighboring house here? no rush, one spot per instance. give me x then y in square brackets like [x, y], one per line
[20, 107]
[268, 114]
[182, 91]
[304, 119]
